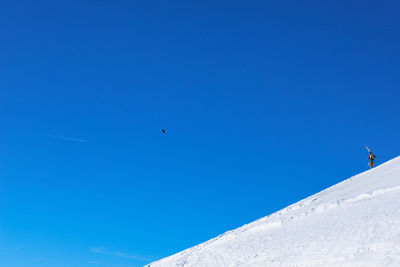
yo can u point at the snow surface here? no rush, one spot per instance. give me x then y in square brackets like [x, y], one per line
[353, 223]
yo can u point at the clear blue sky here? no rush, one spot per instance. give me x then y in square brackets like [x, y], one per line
[264, 103]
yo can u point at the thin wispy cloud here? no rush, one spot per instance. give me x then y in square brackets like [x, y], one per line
[80, 140]
[105, 251]
[98, 249]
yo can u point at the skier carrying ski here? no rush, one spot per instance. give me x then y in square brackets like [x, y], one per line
[371, 159]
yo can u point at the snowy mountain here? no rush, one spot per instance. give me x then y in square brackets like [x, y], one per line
[353, 223]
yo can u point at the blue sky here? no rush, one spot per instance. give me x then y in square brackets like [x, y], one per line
[264, 103]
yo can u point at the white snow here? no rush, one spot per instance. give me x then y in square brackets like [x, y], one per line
[353, 223]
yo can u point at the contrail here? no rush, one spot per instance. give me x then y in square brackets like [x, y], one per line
[71, 139]
[105, 251]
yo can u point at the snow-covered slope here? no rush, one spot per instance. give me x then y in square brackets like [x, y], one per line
[353, 223]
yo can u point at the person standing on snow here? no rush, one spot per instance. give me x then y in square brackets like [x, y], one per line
[371, 159]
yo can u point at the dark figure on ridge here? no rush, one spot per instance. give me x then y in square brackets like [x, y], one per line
[371, 159]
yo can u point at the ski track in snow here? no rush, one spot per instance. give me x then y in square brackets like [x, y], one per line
[353, 223]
